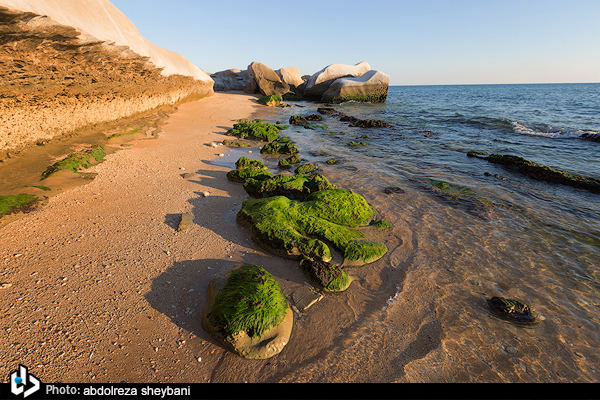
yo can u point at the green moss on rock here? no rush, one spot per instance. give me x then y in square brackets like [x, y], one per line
[279, 148]
[75, 161]
[251, 301]
[287, 163]
[296, 187]
[301, 228]
[19, 203]
[306, 169]
[513, 310]
[270, 100]
[257, 130]
[544, 173]
[328, 275]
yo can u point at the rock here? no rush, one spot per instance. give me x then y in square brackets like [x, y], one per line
[306, 169]
[287, 163]
[189, 175]
[297, 229]
[297, 120]
[592, 136]
[513, 310]
[319, 83]
[270, 100]
[256, 130]
[290, 75]
[267, 81]
[371, 87]
[393, 189]
[544, 173]
[363, 123]
[246, 311]
[328, 275]
[187, 220]
[230, 80]
[296, 187]
[251, 87]
[275, 147]
[305, 297]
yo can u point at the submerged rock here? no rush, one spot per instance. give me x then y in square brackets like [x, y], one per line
[542, 172]
[247, 312]
[287, 163]
[513, 310]
[296, 229]
[74, 161]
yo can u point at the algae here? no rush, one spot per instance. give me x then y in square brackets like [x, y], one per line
[270, 100]
[287, 163]
[296, 187]
[19, 203]
[257, 129]
[75, 161]
[300, 228]
[328, 275]
[274, 147]
[251, 301]
[131, 132]
[513, 310]
[306, 169]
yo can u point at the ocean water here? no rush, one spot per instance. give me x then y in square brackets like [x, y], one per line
[423, 315]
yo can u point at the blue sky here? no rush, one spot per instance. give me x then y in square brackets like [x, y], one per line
[416, 42]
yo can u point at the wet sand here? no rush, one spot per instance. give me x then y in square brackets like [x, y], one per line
[101, 287]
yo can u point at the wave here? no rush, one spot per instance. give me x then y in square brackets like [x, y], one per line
[547, 130]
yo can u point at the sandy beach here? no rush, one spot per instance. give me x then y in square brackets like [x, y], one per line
[99, 286]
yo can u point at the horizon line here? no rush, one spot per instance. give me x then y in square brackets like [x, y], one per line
[482, 84]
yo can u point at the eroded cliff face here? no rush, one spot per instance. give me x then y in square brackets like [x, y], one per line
[54, 80]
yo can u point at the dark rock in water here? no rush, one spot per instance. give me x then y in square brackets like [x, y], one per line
[306, 169]
[326, 110]
[513, 310]
[315, 125]
[297, 120]
[544, 173]
[363, 123]
[314, 117]
[593, 136]
[328, 275]
[393, 189]
[279, 148]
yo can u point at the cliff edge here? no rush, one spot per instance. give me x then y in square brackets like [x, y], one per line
[71, 64]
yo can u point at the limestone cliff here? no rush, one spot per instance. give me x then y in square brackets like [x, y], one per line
[68, 64]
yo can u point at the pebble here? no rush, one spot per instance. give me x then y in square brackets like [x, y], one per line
[199, 359]
[205, 194]
[221, 155]
[5, 285]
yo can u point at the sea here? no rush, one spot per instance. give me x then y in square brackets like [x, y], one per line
[493, 232]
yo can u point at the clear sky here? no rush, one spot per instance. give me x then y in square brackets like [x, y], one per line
[416, 42]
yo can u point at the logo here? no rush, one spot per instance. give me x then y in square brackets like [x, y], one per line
[18, 383]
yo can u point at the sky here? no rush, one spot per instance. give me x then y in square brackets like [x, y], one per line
[415, 42]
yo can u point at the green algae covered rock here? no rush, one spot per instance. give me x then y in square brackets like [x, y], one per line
[544, 173]
[287, 163]
[257, 130]
[270, 100]
[248, 313]
[296, 229]
[74, 161]
[19, 203]
[305, 169]
[245, 162]
[328, 275]
[295, 187]
[276, 147]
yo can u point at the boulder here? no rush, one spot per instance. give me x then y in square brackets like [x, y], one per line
[370, 87]
[231, 79]
[297, 229]
[319, 82]
[592, 136]
[246, 311]
[267, 81]
[290, 75]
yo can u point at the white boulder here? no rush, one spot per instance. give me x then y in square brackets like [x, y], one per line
[319, 82]
[370, 87]
[290, 75]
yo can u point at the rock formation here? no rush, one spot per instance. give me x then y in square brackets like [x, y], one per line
[230, 80]
[320, 81]
[370, 87]
[67, 64]
[265, 81]
[290, 75]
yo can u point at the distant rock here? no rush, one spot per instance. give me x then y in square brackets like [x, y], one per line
[370, 87]
[319, 82]
[230, 80]
[593, 136]
[266, 80]
[290, 75]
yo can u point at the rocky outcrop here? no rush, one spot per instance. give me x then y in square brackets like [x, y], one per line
[290, 75]
[370, 87]
[68, 65]
[320, 82]
[265, 81]
[230, 80]
[591, 136]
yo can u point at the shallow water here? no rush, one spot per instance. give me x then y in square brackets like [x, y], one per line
[423, 315]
